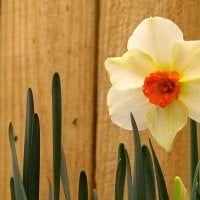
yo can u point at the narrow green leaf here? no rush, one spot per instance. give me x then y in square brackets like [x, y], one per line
[83, 188]
[50, 195]
[120, 174]
[180, 192]
[20, 193]
[95, 196]
[64, 176]
[27, 140]
[129, 176]
[162, 189]
[194, 194]
[34, 161]
[150, 188]
[57, 119]
[193, 150]
[139, 179]
[12, 189]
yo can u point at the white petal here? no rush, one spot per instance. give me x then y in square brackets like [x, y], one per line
[164, 123]
[122, 103]
[130, 70]
[190, 96]
[156, 36]
[186, 59]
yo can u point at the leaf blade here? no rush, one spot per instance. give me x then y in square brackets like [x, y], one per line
[95, 196]
[139, 180]
[129, 176]
[150, 187]
[50, 195]
[12, 189]
[162, 189]
[180, 192]
[34, 160]
[83, 188]
[120, 174]
[64, 176]
[193, 150]
[27, 141]
[57, 123]
[194, 193]
[19, 188]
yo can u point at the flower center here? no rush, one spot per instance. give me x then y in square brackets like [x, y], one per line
[161, 87]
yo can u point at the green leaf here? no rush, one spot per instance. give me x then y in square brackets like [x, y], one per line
[150, 188]
[194, 194]
[57, 119]
[193, 150]
[180, 192]
[83, 188]
[20, 193]
[95, 196]
[120, 174]
[12, 189]
[162, 189]
[50, 196]
[64, 176]
[139, 179]
[34, 160]
[129, 176]
[27, 145]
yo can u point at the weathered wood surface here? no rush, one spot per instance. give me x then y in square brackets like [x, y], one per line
[38, 38]
[118, 19]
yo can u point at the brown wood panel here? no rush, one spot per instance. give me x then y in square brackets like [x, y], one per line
[38, 38]
[117, 21]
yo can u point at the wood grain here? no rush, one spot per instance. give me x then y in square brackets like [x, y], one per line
[117, 21]
[38, 38]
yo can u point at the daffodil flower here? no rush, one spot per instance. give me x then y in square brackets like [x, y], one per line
[157, 79]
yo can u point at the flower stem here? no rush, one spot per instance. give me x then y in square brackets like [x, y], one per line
[193, 150]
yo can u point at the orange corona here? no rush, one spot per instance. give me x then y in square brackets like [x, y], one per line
[162, 87]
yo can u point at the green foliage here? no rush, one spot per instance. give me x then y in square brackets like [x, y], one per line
[140, 186]
[193, 150]
[27, 169]
[28, 189]
[12, 189]
[83, 188]
[64, 176]
[120, 174]
[57, 122]
[31, 168]
[195, 193]
[180, 191]
[95, 196]
[19, 191]
[50, 195]
[34, 160]
[138, 179]
[143, 186]
[162, 189]
[129, 176]
[150, 188]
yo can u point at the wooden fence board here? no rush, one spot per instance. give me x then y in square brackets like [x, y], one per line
[38, 38]
[117, 21]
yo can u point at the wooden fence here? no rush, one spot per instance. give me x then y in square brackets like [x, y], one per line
[40, 37]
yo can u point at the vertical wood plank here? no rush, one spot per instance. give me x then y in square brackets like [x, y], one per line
[117, 21]
[38, 38]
